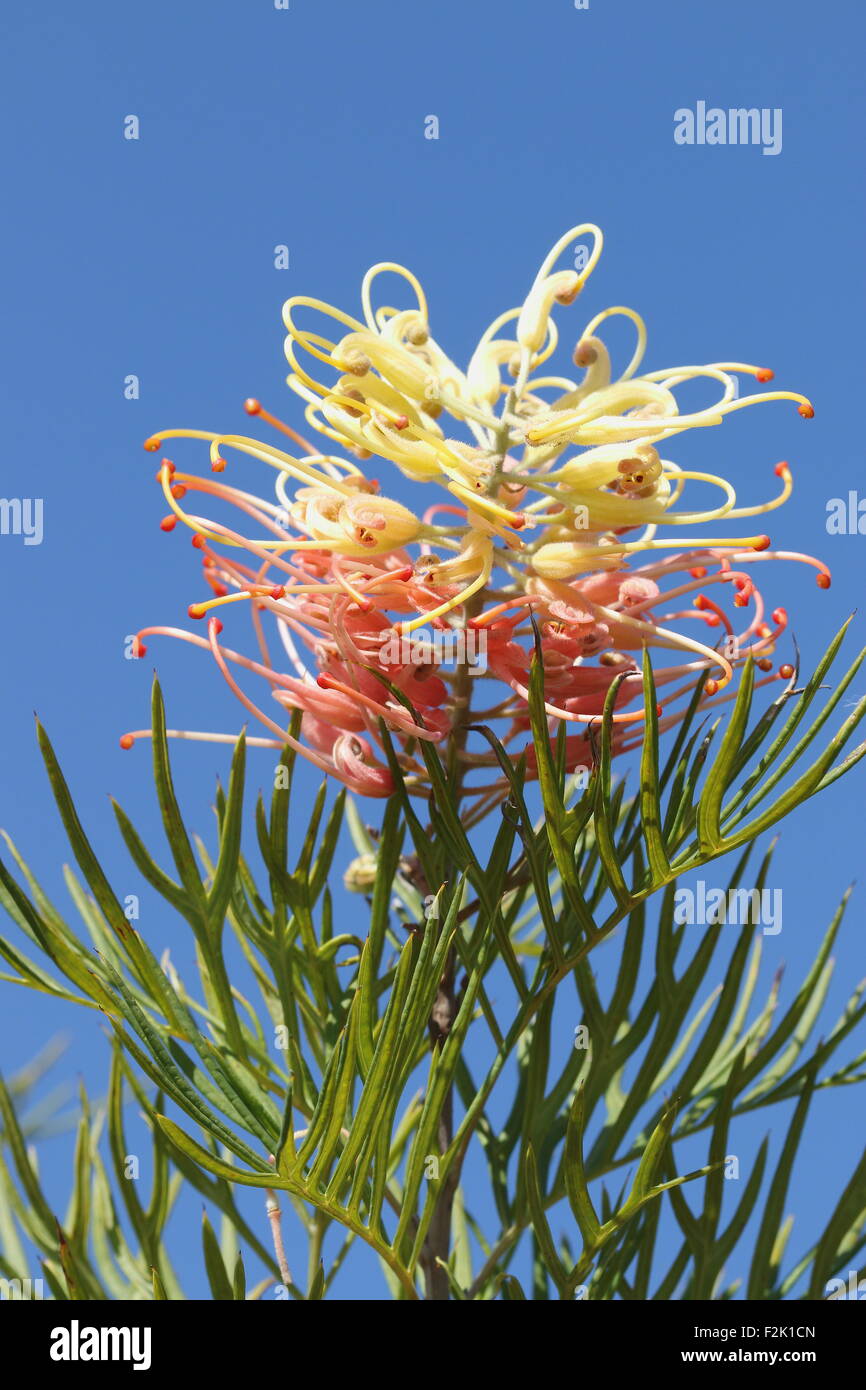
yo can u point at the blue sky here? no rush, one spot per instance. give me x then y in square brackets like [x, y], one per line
[305, 127]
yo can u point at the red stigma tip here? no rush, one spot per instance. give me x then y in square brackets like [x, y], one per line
[126, 740]
[762, 543]
[138, 648]
[764, 663]
[278, 591]
[710, 687]
[198, 542]
[323, 681]
[786, 671]
[195, 610]
[779, 615]
[178, 491]
[252, 406]
[807, 411]
[168, 523]
[658, 711]
[781, 469]
[700, 602]
[765, 374]
[823, 581]
[219, 590]
[699, 572]
[218, 466]
[215, 626]
[401, 422]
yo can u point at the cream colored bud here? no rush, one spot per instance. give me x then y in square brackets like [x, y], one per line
[560, 287]
[360, 876]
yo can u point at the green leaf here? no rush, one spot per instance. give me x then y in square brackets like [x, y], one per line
[722, 770]
[220, 1285]
[230, 841]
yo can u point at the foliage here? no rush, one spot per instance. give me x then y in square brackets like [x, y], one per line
[369, 1068]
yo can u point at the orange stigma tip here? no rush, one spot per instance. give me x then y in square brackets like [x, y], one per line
[762, 543]
[740, 601]
[518, 523]
[126, 740]
[807, 411]
[195, 610]
[764, 664]
[152, 444]
[178, 491]
[781, 469]
[710, 687]
[823, 581]
[786, 671]
[700, 602]
[198, 542]
[401, 422]
[278, 591]
[168, 523]
[218, 466]
[699, 572]
[765, 374]
[252, 406]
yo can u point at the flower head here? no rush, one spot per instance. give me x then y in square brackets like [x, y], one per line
[562, 507]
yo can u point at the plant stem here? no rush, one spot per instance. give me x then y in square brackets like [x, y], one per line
[437, 1244]
[272, 1206]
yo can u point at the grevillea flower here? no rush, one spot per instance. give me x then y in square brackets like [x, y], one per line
[557, 510]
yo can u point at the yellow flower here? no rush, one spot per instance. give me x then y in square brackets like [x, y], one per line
[547, 474]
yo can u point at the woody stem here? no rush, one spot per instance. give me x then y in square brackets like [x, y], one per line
[437, 1245]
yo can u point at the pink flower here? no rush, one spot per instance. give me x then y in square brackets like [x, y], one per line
[341, 642]
[366, 614]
